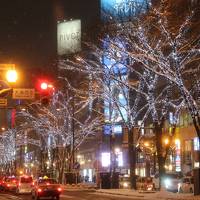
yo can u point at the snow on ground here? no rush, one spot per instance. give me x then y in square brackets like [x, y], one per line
[161, 195]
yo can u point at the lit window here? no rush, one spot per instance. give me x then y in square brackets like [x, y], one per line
[105, 159]
[196, 144]
[120, 159]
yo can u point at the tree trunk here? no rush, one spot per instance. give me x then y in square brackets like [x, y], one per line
[160, 158]
[132, 158]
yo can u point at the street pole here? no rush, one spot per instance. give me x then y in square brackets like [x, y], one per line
[73, 137]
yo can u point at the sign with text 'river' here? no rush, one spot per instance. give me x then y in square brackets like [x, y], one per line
[68, 37]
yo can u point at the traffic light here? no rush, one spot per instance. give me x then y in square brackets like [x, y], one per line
[44, 86]
[46, 90]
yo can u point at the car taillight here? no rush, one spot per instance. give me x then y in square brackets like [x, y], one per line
[39, 190]
[59, 189]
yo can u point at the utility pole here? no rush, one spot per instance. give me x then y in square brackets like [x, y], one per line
[73, 136]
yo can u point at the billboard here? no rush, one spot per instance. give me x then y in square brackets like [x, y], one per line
[122, 9]
[68, 37]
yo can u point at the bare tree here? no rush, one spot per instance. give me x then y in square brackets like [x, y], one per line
[53, 126]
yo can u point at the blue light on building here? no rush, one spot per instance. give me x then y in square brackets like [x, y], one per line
[123, 9]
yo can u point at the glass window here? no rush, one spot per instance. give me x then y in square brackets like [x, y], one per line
[26, 180]
[188, 145]
[48, 180]
[196, 144]
[105, 159]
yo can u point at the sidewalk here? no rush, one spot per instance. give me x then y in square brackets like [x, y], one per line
[161, 195]
[144, 195]
[80, 186]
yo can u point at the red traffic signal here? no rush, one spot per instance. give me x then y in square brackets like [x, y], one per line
[44, 85]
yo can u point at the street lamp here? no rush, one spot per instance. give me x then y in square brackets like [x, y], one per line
[166, 141]
[11, 76]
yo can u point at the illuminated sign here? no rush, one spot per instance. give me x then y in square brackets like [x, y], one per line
[69, 37]
[115, 129]
[178, 155]
[122, 9]
[23, 93]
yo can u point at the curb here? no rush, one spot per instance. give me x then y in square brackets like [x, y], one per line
[120, 194]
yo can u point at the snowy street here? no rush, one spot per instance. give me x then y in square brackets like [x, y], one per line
[90, 194]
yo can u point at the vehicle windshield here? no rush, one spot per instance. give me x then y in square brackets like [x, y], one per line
[124, 178]
[48, 180]
[26, 180]
[10, 180]
[174, 176]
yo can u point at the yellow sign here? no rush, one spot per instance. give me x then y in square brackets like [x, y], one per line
[7, 66]
[23, 93]
[3, 102]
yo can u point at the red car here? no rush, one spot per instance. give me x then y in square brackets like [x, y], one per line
[9, 183]
[46, 187]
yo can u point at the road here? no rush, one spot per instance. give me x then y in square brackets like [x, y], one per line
[68, 195]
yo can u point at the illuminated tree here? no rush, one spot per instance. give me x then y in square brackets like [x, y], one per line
[58, 126]
[160, 56]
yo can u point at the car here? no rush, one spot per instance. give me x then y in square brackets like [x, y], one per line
[25, 185]
[1, 187]
[9, 183]
[171, 181]
[186, 185]
[124, 182]
[46, 188]
[144, 183]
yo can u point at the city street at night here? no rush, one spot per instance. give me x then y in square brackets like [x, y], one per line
[100, 99]
[72, 195]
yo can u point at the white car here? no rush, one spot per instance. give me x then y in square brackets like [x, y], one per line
[170, 182]
[25, 185]
[186, 185]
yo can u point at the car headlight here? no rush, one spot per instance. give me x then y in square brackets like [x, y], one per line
[167, 182]
[125, 184]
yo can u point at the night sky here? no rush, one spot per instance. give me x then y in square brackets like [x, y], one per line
[28, 30]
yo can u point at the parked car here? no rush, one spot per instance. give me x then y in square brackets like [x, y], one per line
[25, 185]
[46, 187]
[1, 187]
[169, 182]
[124, 182]
[144, 183]
[186, 185]
[9, 183]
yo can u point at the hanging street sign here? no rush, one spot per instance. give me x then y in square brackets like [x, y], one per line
[23, 93]
[3, 102]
